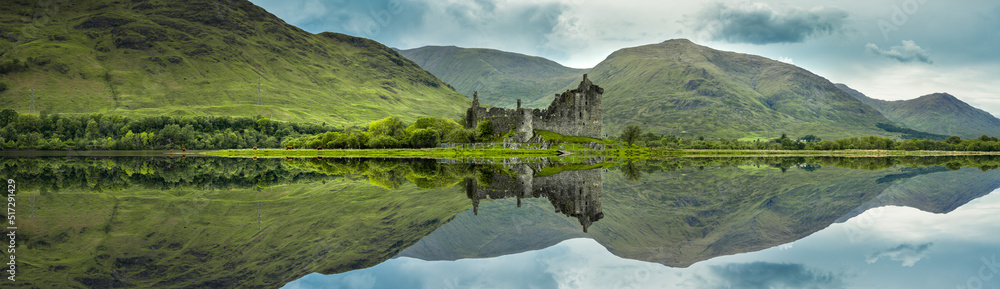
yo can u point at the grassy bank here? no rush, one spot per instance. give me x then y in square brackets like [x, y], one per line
[639, 153]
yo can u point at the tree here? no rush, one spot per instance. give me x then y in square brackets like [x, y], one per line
[382, 141]
[484, 130]
[389, 126]
[631, 134]
[425, 138]
[7, 116]
[810, 138]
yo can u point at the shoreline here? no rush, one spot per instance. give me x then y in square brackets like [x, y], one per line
[642, 153]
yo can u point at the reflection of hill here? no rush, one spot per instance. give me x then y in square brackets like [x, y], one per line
[939, 192]
[200, 236]
[500, 228]
[688, 210]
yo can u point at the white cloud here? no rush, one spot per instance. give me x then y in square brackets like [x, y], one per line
[906, 53]
[908, 254]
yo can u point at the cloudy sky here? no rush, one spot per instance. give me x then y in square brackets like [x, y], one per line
[895, 49]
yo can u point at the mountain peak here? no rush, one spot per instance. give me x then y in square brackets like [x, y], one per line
[679, 41]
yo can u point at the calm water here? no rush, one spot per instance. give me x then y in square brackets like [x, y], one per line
[114, 222]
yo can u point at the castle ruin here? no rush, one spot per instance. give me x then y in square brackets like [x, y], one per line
[575, 112]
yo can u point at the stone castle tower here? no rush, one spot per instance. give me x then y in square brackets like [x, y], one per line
[576, 112]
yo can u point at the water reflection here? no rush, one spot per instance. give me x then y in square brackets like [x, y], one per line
[213, 222]
[574, 190]
[902, 248]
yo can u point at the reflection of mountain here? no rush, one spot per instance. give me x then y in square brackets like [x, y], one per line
[686, 215]
[939, 192]
[172, 226]
[501, 228]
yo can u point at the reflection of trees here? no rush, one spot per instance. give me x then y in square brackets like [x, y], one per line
[811, 163]
[390, 173]
[158, 173]
[631, 171]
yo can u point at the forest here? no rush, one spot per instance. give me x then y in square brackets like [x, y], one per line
[116, 132]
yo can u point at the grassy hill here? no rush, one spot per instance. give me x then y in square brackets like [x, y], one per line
[939, 113]
[678, 87]
[203, 57]
[500, 77]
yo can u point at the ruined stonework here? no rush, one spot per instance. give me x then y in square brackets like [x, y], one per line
[573, 193]
[575, 112]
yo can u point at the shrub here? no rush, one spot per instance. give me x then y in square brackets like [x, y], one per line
[425, 138]
[382, 141]
[484, 130]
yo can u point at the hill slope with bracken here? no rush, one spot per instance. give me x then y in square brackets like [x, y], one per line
[200, 57]
[939, 113]
[678, 87]
[500, 77]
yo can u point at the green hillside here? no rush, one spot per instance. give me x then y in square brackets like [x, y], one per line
[939, 113]
[500, 77]
[203, 57]
[678, 87]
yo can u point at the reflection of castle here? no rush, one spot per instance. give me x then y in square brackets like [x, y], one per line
[573, 193]
[574, 112]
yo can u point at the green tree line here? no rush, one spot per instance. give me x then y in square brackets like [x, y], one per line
[811, 142]
[116, 132]
[391, 132]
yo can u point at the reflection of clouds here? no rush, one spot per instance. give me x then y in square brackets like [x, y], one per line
[909, 254]
[973, 222]
[771, 275]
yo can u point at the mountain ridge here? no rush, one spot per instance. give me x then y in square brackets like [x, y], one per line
[939, 113]
[500, 77]
[679, 83]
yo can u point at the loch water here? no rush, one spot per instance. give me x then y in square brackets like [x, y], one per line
[205, 222]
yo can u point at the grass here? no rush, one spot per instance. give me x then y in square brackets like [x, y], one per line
[556, 137]
[578, 151]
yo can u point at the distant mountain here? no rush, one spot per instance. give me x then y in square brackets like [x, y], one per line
[675, 87]
[203, 57]
[500, 77]
[678, 87]
[939, 113]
